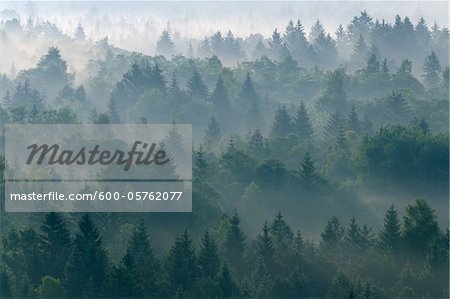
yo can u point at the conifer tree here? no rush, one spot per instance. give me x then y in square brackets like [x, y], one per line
[56, 243]
[432, 69]
[302, 123]
[182, 265]
[265, 245]
[201, 164]
[390, 235]
[228, 288]
[208, 257]
[234, 243]
[146, 264]
[282, 125]
[221, 101]
[353, 122]
[165, 45]
[196, 87]
[333, 233]
[125, 282]
[86, 273]
[308, 172]
[213, 134]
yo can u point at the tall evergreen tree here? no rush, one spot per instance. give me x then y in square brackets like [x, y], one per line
[432, 69]
[213, 134]
[333, 233]
[165, 45]
[146, 264]
[353, 122]
[208, 257]
[221, 101]
[125, 282]
[182, 265]
[265, 245]
[86, 271]
[234, 244]
[56, 243]
[282, 125]
[302, 123]
[196, 87]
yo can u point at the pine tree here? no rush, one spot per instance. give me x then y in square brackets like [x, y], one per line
[213, 134]
[302, 123]
[316, 30]
[334, 125]
[424, 126]
[280, 231]
[79, 33]
[385, 68]
[390, 234]
[308, 172]
[208, 257]
[248, 96]
[276, 46]
[432, 69]
[282, 125]
[398, 106]
[147, 265]
[228, 288]
[221, 101]
[353, 235]
[265, 245]
[56, 243]
[360, 52]
[196, 87]
[182, 265]
[234, 243]
[333, 233]
[353, 122]
[256, 146]
[165, 45]
[86, 273]
[201, 164]
[125, 281]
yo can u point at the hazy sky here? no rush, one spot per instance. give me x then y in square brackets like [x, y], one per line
[194, 19]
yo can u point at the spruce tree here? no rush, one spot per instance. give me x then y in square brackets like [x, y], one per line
[302, 123]
[265, 245]
[125, 281]
[228, 288]
[208, 257]
[282, 125]
[196, 87]
[86, 271]
[221, 101]
[182, 265]
[165, 45]
[333, 233]
[213, 134]
[201, 164]
[390, 235]
[56, 244]
[432, 69]
[308, 173]
[146, 264]
[353, 235]
[234, 244]
[353, 122]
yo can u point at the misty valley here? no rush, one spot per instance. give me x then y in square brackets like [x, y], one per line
[320, 153]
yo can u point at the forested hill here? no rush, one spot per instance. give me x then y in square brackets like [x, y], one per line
[312, 131]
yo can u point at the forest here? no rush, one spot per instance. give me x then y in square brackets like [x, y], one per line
[320, 163]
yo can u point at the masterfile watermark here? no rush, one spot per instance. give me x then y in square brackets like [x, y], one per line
[51, 162]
